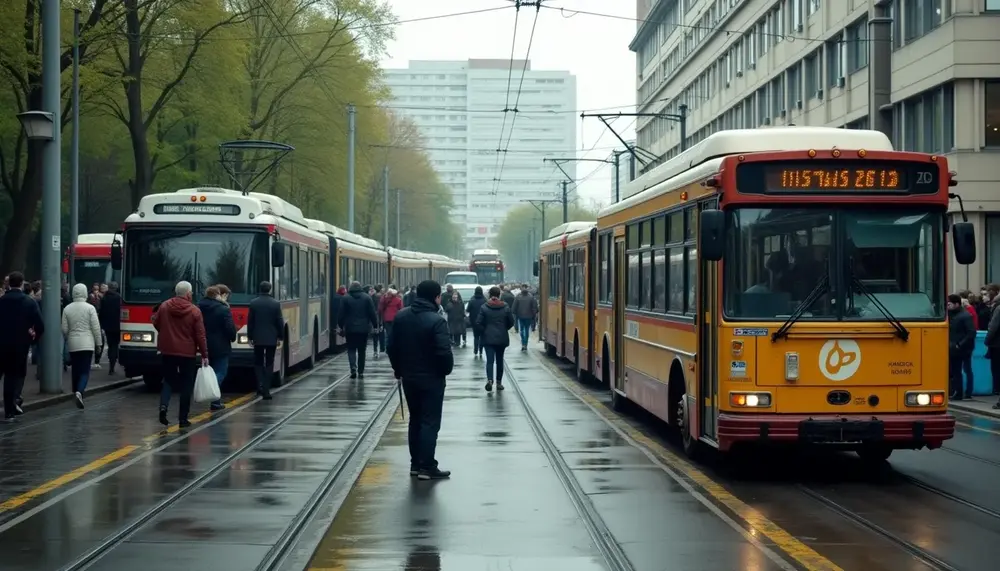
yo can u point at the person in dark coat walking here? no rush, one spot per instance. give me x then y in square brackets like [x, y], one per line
[265, 327]
[409, 296]
[456, 318]
[495, 319]
[961, 342]
[220, 331]
[22, 326]
[472, 309]
[420, 354]
[357, 319]
[110, 316]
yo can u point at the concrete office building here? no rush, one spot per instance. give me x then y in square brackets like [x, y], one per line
[458, 105]
[925, 72]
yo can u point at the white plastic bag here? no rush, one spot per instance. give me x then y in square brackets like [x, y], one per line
[206, 386]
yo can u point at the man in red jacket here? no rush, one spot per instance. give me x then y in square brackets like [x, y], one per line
[388, 305]
[180, 338]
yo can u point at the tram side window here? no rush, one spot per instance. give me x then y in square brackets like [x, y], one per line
[604, 268]
[575, 275]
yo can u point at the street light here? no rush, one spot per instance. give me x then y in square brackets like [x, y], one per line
[38, 125]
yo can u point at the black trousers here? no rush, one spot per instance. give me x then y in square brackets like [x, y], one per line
[263, 367]
[425, 405]
[357, 347]
[113, 339]
[994, 354]
[178, 376]
[13, 368]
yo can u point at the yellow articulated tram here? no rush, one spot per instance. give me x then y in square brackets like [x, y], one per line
[781, 285]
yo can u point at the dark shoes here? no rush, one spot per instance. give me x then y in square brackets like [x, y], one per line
[434, 474]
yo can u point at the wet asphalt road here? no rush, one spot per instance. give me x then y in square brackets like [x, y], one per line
[540, 482]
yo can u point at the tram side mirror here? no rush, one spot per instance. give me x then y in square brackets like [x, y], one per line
[963, 236]
[711, 234]
[534, 268]
[277, 255]
[116, 256]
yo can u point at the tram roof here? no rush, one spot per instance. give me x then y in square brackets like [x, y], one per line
[341, 234]
[570, 227]
[95, 239]
[746, 141]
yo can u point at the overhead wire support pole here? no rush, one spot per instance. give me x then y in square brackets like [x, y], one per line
[351, 112]
[565, 193]
[74, 155]
[680, 118]
[385, 205]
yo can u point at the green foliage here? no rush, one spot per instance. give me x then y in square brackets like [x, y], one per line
[163, 82]
[521, 231]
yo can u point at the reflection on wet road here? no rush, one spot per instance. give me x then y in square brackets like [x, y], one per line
[222, 496]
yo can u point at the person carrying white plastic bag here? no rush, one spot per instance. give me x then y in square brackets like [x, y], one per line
[206, 386]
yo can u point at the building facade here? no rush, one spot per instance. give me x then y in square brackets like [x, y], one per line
[458, 107]
[925, 72]
[627, 171]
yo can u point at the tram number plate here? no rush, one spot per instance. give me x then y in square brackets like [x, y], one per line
[837, 432]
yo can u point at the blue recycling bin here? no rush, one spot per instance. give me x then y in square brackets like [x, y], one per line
[982, 378]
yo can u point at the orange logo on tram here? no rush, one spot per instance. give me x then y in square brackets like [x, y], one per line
[839, 359]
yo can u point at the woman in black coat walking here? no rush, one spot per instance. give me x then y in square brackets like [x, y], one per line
[495, 320]
[473, 309]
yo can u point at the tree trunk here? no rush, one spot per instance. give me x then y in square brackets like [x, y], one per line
[24, 207]
[143, 179]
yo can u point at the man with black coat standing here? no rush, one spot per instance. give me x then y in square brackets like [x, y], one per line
[420, 353]
[961, 343]
[265, 324]
[357, 320]
[22, 326]
[110, 316]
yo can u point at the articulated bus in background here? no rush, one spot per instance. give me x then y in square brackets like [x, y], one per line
[91, 260]
[209, 236]
[781, 285]
[566, 258]
[488, 266]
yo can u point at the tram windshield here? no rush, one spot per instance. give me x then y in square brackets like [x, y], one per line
[890, 257]
[156, 259]
[94, 271]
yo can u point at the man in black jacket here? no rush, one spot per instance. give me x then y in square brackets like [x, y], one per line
[265, 325]
[961, 342]
[110, 316]
[22, 326]
[357, 320]
[420, 353]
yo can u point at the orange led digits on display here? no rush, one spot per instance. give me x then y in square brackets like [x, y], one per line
[812, 178]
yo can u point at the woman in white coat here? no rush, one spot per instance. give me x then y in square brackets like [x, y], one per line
[82, 330]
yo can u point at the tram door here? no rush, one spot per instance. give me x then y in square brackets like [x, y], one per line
[708, 352]
[618, 305]
[543, 296]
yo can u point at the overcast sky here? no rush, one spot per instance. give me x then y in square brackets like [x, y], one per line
[594, 48]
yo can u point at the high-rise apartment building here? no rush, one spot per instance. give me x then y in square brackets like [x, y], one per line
[459, 109]
[925, 72]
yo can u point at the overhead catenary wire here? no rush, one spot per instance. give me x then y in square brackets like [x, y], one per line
[498, 177]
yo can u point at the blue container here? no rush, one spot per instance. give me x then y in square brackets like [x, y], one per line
[982, 378]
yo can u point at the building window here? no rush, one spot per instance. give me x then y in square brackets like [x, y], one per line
[992, 5]
[812, 72]
[929, 121]
[857, 48]
[796, 15]
[993, 112]
[922, 16]
[794, 81]
[778, 96]
[992, 249]
[835, 60]
[813, 6]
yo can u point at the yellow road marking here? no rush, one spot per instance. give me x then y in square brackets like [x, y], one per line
[759, 524]
[20, 500]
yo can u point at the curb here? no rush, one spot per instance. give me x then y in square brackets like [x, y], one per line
[52, 400]
[973, 410]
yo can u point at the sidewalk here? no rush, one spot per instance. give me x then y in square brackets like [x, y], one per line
[99, 382]
[982, 405]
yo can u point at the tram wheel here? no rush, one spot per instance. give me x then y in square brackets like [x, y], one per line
[618, 401]
[692, 447]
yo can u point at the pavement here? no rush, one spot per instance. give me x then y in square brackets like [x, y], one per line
[99, 382]
[977, 405]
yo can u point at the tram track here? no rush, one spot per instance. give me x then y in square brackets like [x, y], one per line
[920, 554]
[276, 555]
[969, 456]
[948, 495]
[609, 549]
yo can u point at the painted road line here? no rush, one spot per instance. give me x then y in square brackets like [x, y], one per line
[695, 481]
[147, 444]
[974, 427]
[18, 501]
[147, 452]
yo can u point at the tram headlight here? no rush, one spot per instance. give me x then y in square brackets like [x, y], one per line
[242, 339]
[750, 400]
[791, 366]
[137, 337]
[925, 398]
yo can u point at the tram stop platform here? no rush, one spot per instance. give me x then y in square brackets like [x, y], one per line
[539, 482]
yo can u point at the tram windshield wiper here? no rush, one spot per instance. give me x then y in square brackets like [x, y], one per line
[901, 330]
[821, 287]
